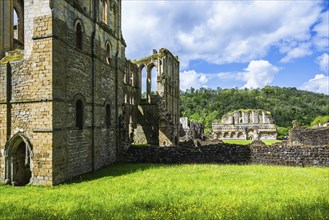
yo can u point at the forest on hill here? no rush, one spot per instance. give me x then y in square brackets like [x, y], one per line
[286, 104]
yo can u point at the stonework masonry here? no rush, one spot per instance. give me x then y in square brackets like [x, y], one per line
[232, 154]
[70, 101]
[190, 130]
[309, 136]
[245, 124]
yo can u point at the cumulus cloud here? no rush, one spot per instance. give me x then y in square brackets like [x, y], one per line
[222, 31]
[323, 62]
[319, 84]
[192, 79]
[259, 73]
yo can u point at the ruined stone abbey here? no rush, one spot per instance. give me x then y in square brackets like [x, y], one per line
[245, 124]
[70, 101]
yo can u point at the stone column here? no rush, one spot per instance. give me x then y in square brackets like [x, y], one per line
[6, 24]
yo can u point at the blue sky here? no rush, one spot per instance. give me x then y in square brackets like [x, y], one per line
[244, 44]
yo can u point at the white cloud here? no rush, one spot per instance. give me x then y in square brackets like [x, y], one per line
[319, 84]
[229, 76]
[321, 39]
[221, 31]
[299, 51]
[259, 73]
[193, 79]
[323, 62]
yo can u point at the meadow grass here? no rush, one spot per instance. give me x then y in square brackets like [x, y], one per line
[246, 142]
[149, 191]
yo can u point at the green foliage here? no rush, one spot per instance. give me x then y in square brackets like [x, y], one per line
[148, 191]
[282, 131]
[285, 104]
[320, 120]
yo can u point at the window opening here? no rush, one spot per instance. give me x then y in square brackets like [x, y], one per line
[79, 36]
[104, 11]
[108, 53]
[143, 84]
[15, 25]
[79, 114]
[108, 116]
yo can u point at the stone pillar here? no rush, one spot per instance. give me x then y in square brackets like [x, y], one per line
[263, 117]
[6, 24]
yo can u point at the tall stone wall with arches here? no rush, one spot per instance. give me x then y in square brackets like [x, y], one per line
[155, 109]
[70, 100]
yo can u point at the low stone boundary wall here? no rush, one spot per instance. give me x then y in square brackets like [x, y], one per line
[232, 154]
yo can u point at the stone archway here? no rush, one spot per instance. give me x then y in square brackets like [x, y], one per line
[252, 134]
[18, 165]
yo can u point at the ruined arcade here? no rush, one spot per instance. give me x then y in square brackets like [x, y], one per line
[245, 124]
[70, 100]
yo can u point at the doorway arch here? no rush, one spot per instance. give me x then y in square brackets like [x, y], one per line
[18, 160]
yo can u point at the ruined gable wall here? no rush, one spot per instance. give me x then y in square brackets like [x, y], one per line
[157, 116]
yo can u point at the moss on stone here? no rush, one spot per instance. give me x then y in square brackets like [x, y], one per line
[147, 59]
[14, 55]
[160, 54]
[248, 110]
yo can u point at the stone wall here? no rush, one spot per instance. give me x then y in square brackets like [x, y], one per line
[309, 136]
[232, 154]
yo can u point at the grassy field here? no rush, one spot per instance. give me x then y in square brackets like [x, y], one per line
[246, 142]
[147, 191]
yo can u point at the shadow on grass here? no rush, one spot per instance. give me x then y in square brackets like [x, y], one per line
[114, 170]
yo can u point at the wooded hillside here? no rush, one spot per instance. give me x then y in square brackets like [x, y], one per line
[285, 104]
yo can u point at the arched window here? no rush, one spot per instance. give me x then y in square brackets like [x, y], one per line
[79, 35]
[18, 24]
[79, 114]
[108, 53]
[132, 78]
[108, 116]
[126, 99]
[104, 11]
[15, 24]
[154, 81]
[143, 82]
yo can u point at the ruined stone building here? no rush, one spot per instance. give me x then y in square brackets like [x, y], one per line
[70, 101]
[302, 136]
[190, 130]
[245, 125]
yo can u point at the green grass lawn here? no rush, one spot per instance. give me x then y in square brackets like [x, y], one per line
[147, 191]
[246, 142]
